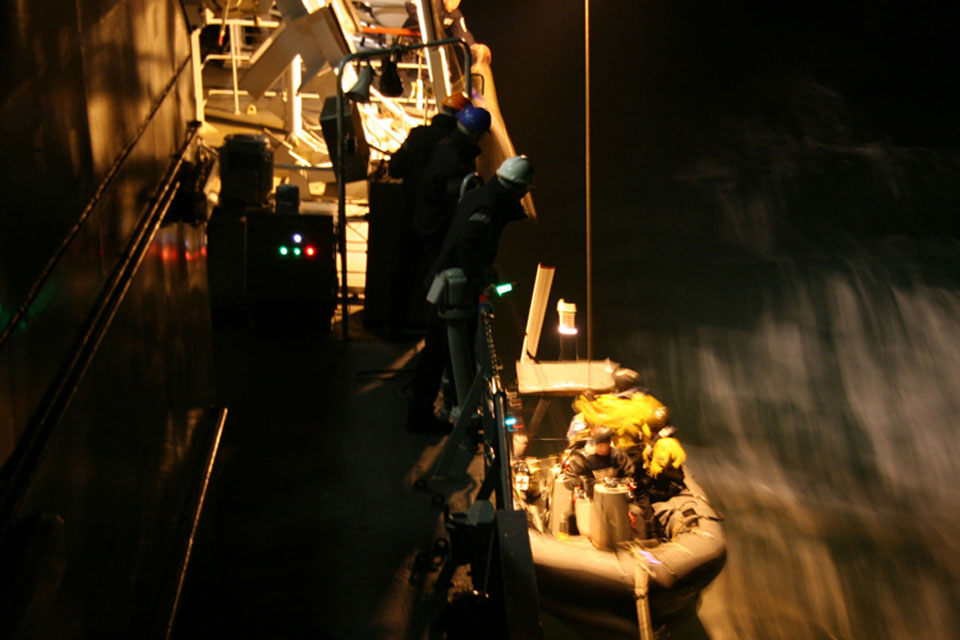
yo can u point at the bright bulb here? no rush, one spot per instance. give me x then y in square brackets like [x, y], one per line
[297, 238]
[284, 251]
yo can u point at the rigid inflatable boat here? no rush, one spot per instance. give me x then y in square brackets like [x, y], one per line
[595, 561]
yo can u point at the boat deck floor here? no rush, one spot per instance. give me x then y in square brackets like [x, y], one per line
[311, 524]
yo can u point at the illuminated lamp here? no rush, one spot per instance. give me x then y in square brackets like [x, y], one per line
[504, 289]
[284, 251]
[297, 251]
[568, 318]
[297, 238]
[310, 251]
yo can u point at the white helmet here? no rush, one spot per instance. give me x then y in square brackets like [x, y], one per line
[516, 172]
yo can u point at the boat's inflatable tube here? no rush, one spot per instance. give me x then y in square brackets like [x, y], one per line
[590, 584]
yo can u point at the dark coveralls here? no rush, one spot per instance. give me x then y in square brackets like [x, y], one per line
[587, 470]
[596, 467]
[439, 191]
[411, 159]
[471, 244]
[409, 163]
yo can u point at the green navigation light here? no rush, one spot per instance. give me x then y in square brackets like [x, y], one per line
[503, 289]
[284, 251]
[297, 251]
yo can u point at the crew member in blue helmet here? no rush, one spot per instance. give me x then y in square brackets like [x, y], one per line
[439, 190]
[409, 163]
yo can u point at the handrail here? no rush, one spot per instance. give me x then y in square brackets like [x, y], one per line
[194, 511]
[22, 464]
[390, 31]
[87, 210]
[496, 397]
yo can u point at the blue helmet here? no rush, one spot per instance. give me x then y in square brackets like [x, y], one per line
[474, 119]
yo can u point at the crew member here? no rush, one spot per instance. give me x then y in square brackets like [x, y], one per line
[596, 461]
[409, 163]
[634, 415]
[410, 160]
[471, 244]
[662, 474]
[439, 190]
[474, 236]
[639, 425]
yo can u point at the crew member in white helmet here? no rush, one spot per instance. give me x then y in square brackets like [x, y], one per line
[471, 243]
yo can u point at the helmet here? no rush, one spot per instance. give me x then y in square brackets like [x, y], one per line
[516, 171]
[659, 417]
[603, 434]
[456, 101]
[474, 119]
[625, 379]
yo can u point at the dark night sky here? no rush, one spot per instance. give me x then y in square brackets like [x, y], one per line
[839, 120]
[539, 76]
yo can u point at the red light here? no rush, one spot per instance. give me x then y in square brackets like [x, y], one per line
[311, 251]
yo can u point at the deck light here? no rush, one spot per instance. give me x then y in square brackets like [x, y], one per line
[390, 83]
[568, 318]
[360, 92]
